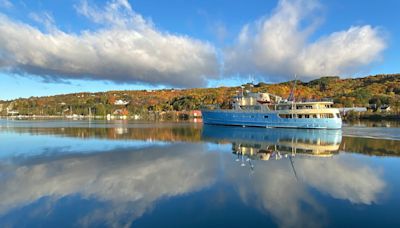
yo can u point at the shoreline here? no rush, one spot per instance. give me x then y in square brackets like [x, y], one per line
[371, 116]
[348, 117]
[145, 118]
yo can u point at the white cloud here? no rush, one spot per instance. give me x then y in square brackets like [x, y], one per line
[116, 13]
[281, 45]
[126, 49]
[220, 31]
[129, 48]
[43, 18]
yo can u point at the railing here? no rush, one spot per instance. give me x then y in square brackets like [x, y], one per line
[316, 100]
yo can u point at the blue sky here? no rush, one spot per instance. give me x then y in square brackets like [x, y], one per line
[52, 47]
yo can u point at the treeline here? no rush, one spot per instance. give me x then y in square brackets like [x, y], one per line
[377, 90]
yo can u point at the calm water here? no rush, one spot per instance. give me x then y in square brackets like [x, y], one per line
[81, 173]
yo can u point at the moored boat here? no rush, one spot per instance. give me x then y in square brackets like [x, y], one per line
[271, 111]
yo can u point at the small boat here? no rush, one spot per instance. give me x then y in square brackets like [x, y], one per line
[271, 111]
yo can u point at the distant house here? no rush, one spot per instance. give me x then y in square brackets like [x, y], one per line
[343, 111]
[121, 112]
[382, 108]
[385, 108]
[12, 112]
[117, 112]
[121, 102]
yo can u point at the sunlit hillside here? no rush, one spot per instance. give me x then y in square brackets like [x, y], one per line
[379, 90]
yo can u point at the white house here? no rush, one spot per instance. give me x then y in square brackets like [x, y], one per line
[385, 108]
[121, 102]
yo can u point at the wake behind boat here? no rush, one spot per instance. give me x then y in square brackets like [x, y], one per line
[271, 111]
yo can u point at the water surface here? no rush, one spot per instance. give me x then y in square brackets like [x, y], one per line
[96, 173]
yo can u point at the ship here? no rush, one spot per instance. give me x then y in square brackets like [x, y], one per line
[250, 109]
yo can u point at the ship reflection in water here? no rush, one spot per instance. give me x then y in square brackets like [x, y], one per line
[266, 144]
[183, 175]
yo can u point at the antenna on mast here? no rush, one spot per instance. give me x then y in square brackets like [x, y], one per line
[251, 79]
[291, 95]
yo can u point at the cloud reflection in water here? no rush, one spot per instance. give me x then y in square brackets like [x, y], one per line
[129, 181]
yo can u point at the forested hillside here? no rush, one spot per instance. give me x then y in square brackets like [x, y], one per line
[379, 89]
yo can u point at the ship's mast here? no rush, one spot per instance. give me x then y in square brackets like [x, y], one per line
[291, 95]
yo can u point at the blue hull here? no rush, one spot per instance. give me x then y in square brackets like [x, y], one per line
[266, 119]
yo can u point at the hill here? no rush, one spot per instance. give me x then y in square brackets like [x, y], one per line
[378, 89]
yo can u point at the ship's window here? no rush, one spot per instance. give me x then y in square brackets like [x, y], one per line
[284, 107]
[300, 116]
[327, 115]
[306, 116]
[314, 116]
[286, 116]
[265, 116]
